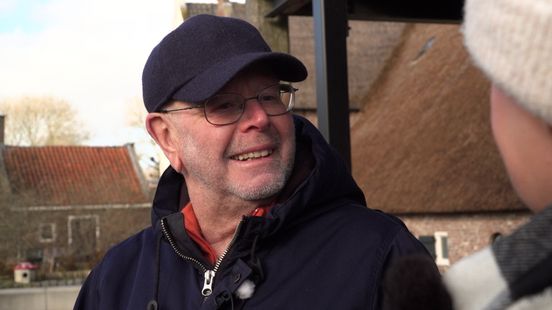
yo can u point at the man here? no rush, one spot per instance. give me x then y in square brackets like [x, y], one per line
[511, 41]
[256, 210]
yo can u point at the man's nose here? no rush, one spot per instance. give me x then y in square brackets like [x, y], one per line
[254, 114]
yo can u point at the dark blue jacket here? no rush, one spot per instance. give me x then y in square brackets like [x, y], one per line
[319, 247]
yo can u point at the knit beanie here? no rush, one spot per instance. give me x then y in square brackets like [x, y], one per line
[511, 41]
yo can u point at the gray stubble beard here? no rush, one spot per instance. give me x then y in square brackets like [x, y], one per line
[268, 190]
[246, 193]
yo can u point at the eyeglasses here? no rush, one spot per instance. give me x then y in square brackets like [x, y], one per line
[225, 109]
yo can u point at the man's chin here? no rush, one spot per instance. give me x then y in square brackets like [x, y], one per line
[256, 190]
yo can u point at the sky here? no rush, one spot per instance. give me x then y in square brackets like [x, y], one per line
[89, 53]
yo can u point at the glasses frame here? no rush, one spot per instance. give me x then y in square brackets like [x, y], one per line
[289, 107]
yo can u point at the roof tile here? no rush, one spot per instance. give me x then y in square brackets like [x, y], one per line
[74, 175]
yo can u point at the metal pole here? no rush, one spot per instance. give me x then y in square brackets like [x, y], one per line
[330, 37]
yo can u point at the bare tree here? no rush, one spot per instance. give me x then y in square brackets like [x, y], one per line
[136, 113]
[136, 118]
[37, 121]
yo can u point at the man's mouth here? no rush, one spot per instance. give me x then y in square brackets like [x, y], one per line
[252, 155]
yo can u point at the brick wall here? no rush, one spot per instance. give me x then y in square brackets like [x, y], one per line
[69, 233]
[466, 233]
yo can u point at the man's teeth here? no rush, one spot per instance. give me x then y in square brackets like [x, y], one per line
[252, 155]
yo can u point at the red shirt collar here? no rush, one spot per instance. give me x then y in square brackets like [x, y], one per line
[194, 230]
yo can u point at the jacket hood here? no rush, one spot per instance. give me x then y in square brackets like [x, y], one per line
[319, 176]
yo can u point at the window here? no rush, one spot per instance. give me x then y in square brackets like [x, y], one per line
[83, 234]
[429, 243]
[437, 245]
[47, 232]
[441, 248]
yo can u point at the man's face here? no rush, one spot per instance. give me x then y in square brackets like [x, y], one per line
[250, 159]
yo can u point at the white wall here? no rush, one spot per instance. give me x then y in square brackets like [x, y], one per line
[40, 298]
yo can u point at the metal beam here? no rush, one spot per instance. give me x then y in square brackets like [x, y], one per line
[332, 96]
[425, 11]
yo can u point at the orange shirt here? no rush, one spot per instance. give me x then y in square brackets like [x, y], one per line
[194, 231]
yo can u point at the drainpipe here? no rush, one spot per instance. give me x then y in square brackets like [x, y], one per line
[2, 121]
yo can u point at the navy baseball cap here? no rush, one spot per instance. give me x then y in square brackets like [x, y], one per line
[203, 54]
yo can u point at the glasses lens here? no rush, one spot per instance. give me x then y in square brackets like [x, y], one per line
[223, 109]
[277, 99]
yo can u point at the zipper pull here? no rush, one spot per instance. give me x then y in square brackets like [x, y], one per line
[208, 283]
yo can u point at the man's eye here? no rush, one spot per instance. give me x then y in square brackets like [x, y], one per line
[223, 106]
[269, 98]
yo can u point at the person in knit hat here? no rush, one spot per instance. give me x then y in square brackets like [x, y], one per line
[511, 42]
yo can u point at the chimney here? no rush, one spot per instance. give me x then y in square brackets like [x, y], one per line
[2, 117]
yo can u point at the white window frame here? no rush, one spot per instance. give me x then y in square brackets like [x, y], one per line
[52, 229]
[72, 218]
[442, 258]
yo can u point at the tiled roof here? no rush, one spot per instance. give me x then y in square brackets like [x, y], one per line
[74, 175]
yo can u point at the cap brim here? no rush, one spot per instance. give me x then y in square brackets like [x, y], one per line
[285, 67]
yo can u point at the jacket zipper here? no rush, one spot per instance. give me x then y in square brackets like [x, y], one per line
[209, 275]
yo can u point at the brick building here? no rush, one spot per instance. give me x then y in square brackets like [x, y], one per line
[65, 205]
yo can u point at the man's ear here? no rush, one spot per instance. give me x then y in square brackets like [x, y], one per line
[163, 132]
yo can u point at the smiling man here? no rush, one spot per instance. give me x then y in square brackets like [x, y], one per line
[256, 211]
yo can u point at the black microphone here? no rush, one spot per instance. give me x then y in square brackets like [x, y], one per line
[414, 282]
